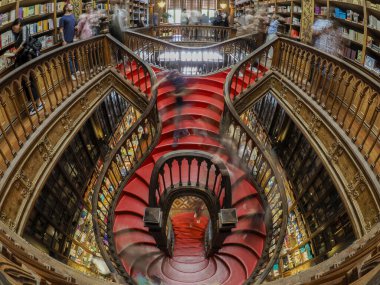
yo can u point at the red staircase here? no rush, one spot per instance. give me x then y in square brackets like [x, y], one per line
[241, 250]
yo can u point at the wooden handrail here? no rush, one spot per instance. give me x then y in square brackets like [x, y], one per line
[261, 169]
[212, 185]
[203, 60]
[119, 164]
[189, 33]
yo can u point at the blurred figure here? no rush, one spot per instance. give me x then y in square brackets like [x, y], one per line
[184, 18]
[272, 31]
[84, 29]
[246, 23]
[155, 19]
[119, 23]
[205, 20]
[217, 19]
[327, 37]
[225, 22]
[259, 25]
[67, 25]
[194, 17]
[141, 22]
[179, 83]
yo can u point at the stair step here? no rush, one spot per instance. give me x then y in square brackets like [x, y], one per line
[128, 221]
[145, 172]
[253, 241]
[238, 275]
[190, 112]
[242, 190]
[181, 276]
[247, 258]
[130, 204]
[122, 241]
[250, 223]
[189, 267]
[196, 127]
[138, 188]
[142, 263]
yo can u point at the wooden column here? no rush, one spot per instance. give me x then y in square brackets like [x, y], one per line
[307, 21]
[151, 11]
[232, 12]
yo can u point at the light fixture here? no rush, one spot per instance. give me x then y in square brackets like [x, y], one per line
[223, 5]
[161, 4]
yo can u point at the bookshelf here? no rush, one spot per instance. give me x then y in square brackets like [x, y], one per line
[136, 9]
[41, 17]
[359, 21]
[290, 11]
[241, 6]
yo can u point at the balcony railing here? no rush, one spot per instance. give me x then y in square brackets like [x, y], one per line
[191, 60]
[69, 72]
[186, 173]
[348, 95]
[189, 33]
[128, 154]
[256, 158]
[45, 79]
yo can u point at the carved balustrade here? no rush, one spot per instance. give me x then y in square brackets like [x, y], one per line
[191, 60]
[189, 33]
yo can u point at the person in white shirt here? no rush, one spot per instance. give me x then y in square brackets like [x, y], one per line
[184, 18]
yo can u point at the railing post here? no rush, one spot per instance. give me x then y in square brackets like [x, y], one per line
[107, 51]
[276, 54]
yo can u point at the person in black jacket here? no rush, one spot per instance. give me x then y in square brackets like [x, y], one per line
[23, 54]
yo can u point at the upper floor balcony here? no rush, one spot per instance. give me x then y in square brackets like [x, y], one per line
[60, 104]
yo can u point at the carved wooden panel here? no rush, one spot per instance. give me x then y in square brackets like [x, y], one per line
[31, 168]
[340, 156]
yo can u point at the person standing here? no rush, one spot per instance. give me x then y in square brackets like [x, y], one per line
[205, 20]
[23, 54]
[272, 31]
[184, 18]
[84, 24]
[67, 25]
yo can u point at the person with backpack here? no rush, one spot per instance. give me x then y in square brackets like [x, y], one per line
[27, 48]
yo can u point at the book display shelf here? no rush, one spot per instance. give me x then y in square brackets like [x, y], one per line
[359, 21]
[41, 17]
[290, 11]
[242, 5]
[136, 9]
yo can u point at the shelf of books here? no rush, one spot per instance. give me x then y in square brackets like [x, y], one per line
[359, 21]
[241, 6]
[84, 246]
[360, 26]
[136, 9]
[39, 17]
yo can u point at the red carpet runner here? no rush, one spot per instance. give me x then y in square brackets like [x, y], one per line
[189, 234]
[136, 248]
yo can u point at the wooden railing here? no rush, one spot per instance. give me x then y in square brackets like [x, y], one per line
[191, 60]
[189, 173]
[189, 33]
[344, 93]
[67, 72]
[256, 158]
[45, 79]
[128, 154]
[347, 95]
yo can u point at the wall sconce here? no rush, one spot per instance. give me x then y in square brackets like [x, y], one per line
[161, 4]
[223, 5]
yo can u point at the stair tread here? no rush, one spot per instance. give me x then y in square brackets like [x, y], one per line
[195, 112]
